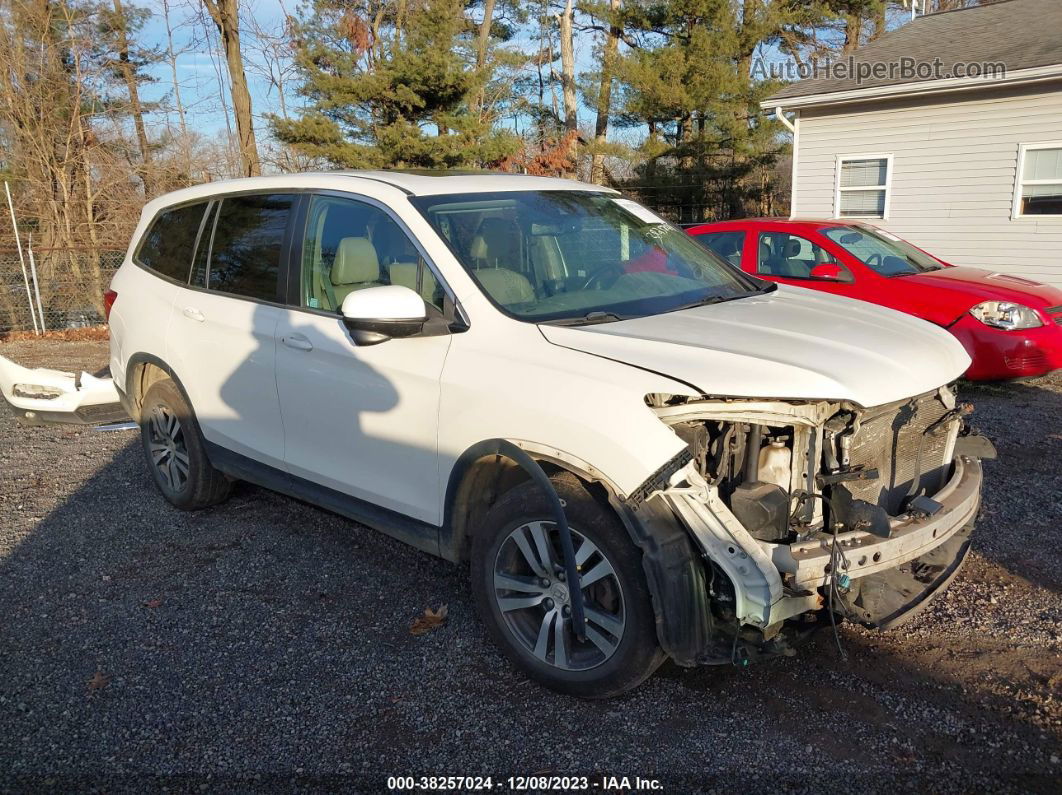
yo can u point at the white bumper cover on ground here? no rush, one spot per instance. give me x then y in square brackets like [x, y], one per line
[43, 395]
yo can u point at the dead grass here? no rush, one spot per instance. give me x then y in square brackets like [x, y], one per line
[95, 333]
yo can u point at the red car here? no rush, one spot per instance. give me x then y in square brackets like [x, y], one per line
[1011, 327]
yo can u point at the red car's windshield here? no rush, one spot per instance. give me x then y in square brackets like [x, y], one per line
[881, 251]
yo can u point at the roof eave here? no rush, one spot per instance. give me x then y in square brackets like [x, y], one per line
[1036, 74]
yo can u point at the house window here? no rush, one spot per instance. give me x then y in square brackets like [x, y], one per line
[863, 186]
[1039, 190]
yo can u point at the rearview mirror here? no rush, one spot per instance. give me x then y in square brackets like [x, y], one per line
[376, 314]
[831, 272]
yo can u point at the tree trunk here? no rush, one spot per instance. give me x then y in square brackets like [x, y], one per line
[135, 108]
[879, 21]
[853, 29]
[482, 40]
[567, 48]
[225, 16]
[604, 94]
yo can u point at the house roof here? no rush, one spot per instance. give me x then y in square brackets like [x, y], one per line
[1025, 36]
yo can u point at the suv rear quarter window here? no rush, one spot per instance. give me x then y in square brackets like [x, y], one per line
[170, 241]
[248, 242]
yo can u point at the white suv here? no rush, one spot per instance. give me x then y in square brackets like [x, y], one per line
[736, 462]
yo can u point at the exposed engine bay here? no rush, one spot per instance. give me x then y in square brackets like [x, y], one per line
[824, 508]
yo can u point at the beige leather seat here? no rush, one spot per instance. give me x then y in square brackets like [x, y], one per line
[405, 274]
[547, 257]
[355, 267]
[506, 286]
[495, 245]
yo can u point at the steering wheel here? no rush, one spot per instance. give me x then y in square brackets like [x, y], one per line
[598, 277]
[873, 260]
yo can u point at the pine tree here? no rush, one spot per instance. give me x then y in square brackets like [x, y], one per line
[688, 79]
[392, 84]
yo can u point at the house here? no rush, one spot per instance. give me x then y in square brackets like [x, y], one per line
[946, 131]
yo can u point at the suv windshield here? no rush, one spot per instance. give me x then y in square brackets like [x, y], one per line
[578, 256]
[880, 251]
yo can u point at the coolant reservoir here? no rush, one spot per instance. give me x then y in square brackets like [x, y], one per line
[775, 462]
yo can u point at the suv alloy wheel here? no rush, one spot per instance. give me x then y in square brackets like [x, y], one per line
[521, 593]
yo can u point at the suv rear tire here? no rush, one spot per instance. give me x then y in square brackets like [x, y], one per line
[175, 451]
[520, 594]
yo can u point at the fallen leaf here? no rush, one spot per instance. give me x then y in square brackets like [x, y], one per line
[431, 620]
[98, 681]
[153, 603]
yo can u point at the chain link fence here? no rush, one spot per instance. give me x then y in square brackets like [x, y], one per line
[70, 283]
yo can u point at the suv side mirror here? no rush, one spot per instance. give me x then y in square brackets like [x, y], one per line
[376, 314]
[831, 272]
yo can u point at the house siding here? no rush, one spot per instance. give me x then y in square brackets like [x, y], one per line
[954, 163]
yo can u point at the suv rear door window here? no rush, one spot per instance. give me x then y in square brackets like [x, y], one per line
[248, 242]
[167, 247]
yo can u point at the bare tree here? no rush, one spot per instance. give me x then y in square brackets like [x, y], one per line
[129, 76]
[225, 14]
[273, 48]
[44, 73]
[171, 58]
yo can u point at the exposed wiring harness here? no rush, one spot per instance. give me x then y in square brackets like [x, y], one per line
[838, 567]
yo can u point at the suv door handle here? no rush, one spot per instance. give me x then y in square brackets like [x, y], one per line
[297, 341]
[194, 314]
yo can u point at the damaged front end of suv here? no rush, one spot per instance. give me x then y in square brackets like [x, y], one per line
[806, 513]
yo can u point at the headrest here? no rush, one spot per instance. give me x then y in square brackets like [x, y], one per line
[355, 262]
[495, 243]
[405, 274]
[765, 250]
[792, 248]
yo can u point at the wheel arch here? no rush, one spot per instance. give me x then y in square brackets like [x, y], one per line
[674, 570]
[141, 371]
[482, 474]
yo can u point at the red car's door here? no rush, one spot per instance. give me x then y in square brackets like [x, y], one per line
[784, 254]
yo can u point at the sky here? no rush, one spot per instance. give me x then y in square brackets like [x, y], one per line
[200, 64]
[200, 61]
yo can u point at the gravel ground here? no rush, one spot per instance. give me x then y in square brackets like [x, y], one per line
[265, 644]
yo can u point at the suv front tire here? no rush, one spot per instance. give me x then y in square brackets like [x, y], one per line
[521, 596]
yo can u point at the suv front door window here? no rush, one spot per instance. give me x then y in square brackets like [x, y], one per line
[350, 245]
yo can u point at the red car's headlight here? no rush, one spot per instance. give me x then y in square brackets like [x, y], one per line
[1005, 315]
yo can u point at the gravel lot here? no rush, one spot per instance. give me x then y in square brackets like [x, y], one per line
[265, 644]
